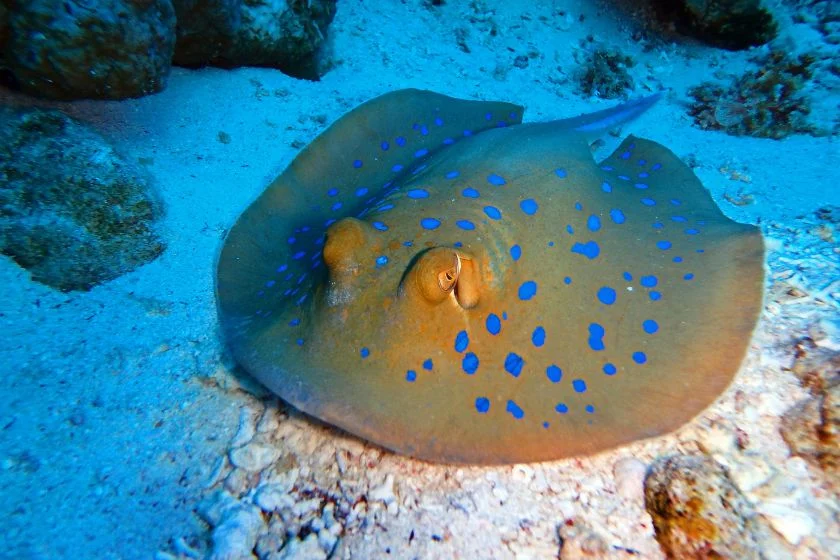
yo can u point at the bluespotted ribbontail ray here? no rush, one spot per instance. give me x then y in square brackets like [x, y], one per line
[438, 278]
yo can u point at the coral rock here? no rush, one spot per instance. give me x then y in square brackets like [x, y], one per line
[72, 211]
[272, 33]
[111, 49]
[697, 511]
[811, 429]
[731, 24]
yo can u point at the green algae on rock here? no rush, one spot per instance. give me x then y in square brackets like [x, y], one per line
[72, 211]
[697, 510]
[769, 102]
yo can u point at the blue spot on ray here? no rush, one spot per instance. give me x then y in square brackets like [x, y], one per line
[513, 364]
[527, 290]
[497, 180]
[649, 281]
[554, 373]
[593, 223]
[493, 324]
[606, 295]
[428, 365]
[514, 410]
[538, 337]
[590, 249]
[470, 193]
[596, 335]
[650, 326]
[493, 212]
[417, 193]
[561, 408]
[515, 252]
[430, 223]
[482, 404]
[639, 357]
[579, 385]
[529, 206]
[470, 363]
[610, 369]
[364, 352]
[462, 340]
[561, 173]
[410, 376]
[465, 225]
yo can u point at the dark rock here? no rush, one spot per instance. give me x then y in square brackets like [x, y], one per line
[72, 211]
[730, 24]
[698, 512]
[206, 29]
[74, 49]
[274, 33]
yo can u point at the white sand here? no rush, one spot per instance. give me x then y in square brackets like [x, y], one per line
[117, 405]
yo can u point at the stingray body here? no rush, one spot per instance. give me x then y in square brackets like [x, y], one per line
[438, 278]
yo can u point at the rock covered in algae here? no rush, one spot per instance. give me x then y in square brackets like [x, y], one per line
[811, 428]
[730, 24]
[768, 102]
[110, 49]
[272, 33]
[72, 211]
[697, 510]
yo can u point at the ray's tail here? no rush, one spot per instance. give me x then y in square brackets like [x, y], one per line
[595, 125]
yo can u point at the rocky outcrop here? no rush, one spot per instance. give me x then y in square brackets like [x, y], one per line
[73, 49]
[72, 211]
[206, 30]
[730, 24]
[274, 33]
[113, 49]
[697, 510]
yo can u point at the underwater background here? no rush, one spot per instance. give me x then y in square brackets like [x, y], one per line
[135, 133]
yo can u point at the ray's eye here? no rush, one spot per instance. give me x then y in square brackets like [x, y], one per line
[440, 273]
[448, 278]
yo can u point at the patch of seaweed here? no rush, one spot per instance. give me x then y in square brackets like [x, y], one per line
[769, 102]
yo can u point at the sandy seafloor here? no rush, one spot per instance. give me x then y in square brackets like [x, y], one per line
[118, 407]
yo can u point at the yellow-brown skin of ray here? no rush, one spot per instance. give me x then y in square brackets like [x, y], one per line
[705, 330]
[435, 417]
